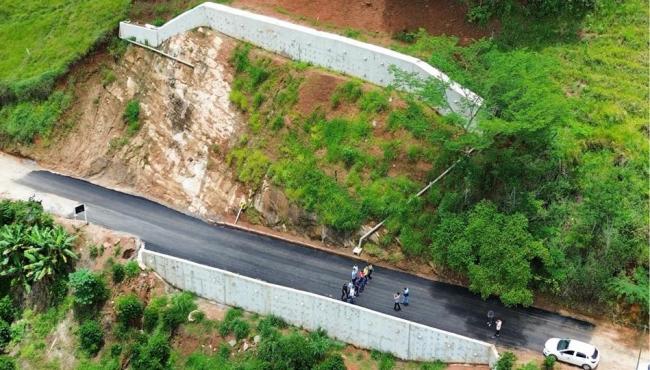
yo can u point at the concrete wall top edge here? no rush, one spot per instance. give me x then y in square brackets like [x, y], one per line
[470, 96]
[473, 97]
[225, 272]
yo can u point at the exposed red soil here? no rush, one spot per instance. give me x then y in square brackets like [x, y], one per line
[438, 17]
[316, 90]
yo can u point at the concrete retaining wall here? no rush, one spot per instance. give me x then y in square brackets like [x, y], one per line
[364, 328]
[359, 59]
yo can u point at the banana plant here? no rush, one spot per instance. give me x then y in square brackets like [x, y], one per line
[31, 254]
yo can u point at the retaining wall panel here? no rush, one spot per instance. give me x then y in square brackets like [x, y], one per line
[249, 294]
[349, 323]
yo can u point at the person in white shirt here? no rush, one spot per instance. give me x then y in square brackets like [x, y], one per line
[355, 270]
[396, 306]
[497, 327]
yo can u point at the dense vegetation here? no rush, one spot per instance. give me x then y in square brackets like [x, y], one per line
[561, 174]
[555, 198]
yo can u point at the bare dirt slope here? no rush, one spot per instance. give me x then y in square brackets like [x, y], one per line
[186, 119]
[438, 17]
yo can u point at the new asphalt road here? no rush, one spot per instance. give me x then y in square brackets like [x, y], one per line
[439, 305]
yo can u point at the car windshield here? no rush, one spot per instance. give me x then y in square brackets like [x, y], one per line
[595, 355]
[563, 344]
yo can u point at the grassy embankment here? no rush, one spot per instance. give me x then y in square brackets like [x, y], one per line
[40, 42]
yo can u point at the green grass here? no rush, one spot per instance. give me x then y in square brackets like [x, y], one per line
[24, 121]
[41, 39]
[326, 165]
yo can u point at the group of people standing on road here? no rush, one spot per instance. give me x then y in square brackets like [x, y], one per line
[360, 278]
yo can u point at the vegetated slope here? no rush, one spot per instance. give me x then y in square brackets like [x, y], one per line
[556, 199]
[344, 151]
[41, 39]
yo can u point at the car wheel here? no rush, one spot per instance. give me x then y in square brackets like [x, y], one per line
[586, 367]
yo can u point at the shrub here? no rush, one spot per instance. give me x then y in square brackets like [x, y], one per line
[258, 74]
[178, 310]
[406, 36]
[352, 33]
[117, 271]
[549, 363]
[240, 57]
[132, 269]
[152, 354]
[239, 99]
[7, 309]
[252, 165]
[27, 213]
[197, 316]
[108, 76]
[349, 91]
[132, 110]
[506, 361]
[7, 363]
[25, 121]
[131, 116]
[374, 101]
[152, 313]
[116, 350]
[88, 289]
[226, 326]
[258, 99]
[436, 365]
[240, 328]
[386, 361]
[294, 351]
[277, 123]
[332, 362]
[91, 337]
[95, 251]
[129, 309]
[5, 334]
[117, 47]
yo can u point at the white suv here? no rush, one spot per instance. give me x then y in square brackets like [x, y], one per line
[573, 352]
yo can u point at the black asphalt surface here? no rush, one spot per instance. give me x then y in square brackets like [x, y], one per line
[436, 304]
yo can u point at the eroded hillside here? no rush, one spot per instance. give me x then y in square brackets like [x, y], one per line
[185, 120]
